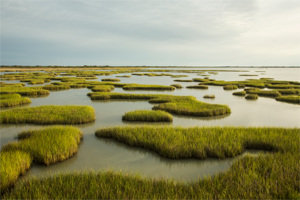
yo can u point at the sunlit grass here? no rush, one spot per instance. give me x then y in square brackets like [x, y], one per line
[9, 100]
[103, 88]
[183, 80]
[251, 96]
[203, 87]
[289, 99]
[55, 87]
[28, 91]
[240, 93]
[176, 85]
[230, 87]
[147, 87]
[266, 93]
[148, 116]
[111, 79]
[209, 96]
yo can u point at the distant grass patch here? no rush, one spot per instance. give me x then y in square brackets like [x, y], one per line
[252, 96]
[182, 105]
[179, 76]
[148, 116]
[289, 99]
[176, 85]
[49, 115]
[230, 87]
[203, 87]
[124, 76]
[289, 91]
[248, 75]
[183, 80]
[9, 100]
[53, 87]
[209, 96]
[13, 164]
[111, 79]
[28, 91]
[266, 93]
[200, 80]
[147, 87]
[283, 86]
[240, 93]
[103, 88]
[48, 145]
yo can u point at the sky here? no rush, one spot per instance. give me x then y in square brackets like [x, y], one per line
[150, 33]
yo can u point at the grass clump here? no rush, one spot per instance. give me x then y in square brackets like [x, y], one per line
[179, 76]
[181, 105]
[251, 96]
[209, 96]
[10, 100]
[124, 76]
[230, 87]
[283, 86]
[111, 79]
[27, 91]
[55, 87]
[103, 88]
[204, 87]
[13, 164]
[289, 91]
[240, 93]
[248, 75]
[176, 86]
[289, 99]
[266, 93]
[148, 116]
[201, 80]
[183, 80]
[147, 87]
[49, 114]
[48, 145]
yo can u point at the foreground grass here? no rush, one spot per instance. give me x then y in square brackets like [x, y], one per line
[182, 105]
[48, 145]
[49, 114]
[13, 164]
[9, 100]
[148, 116]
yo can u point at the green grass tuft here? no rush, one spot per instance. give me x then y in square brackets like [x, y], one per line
[28, 91]
[209, 96]
[204, 87]
[49, 114]
[177, 86]
[266, 93]
[252, 96]
[230, 87]
[111, 79]
[147, 87]
[103, 88]
[148, 116]
[10, 100]
[183, 80]
[240, 93]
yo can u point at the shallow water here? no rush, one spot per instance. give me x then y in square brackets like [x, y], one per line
[96, 153]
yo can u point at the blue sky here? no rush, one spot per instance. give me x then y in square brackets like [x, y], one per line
[142, 32]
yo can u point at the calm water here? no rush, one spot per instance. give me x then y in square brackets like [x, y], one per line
[96, 153]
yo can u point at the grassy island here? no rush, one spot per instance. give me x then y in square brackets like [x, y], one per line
[147, 87]
[181, 105]
[289, 99]
[49, 115]
[251, 96]
[240, 93]
[203, 87]
[27, 91]
[10, 100]
[148, 116]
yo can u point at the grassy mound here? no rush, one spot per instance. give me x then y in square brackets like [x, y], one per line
[49, 115]
[203, 87]
[147, 87]
[28, 91]
[289, 91]
[148, 116]
[183, 80]
[124, 76]
[103, 88]
[111, 79]
[266, 93]
[55, 87]
[289, 99]
[49, 145]
[230, 87]
[182, 105]
[240, 93]
[209, 96]
[251, 96]
[9, 100]
[176, 86]
[13, 164]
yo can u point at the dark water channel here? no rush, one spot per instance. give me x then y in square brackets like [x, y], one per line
[99, 154]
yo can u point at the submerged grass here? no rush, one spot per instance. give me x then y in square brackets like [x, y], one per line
[148, 116]
[49, 115]
[182, 105]
[9, 100]
[13, 164]
[289, 99]
[48, 145]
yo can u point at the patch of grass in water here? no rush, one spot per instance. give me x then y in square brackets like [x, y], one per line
[124, 76]
[55, 87]
[181, 105]
[289, 99]
[13, 164]
[209, 96]
[240, 93]
[147, 87]
[203, 87]
[230, 87]
[289, 91]
[148, 116]
[10, 100]
[103, 88]
[283, 86]
[179, 76]
[178, 86]
[48, 145]
[248, 75]
[251, 96]
[183, 80]
[266, 93]
[27, 91]
[111, 79]
[49, 114]
[200, 80]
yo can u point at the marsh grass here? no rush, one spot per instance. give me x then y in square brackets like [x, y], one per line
[266, 93]
[209, 96]
[251, 96]
[283, 86]
[148, 116]
[103, 88]
[181, 105]
[230, 87]
[48, 145]
[178, 86]
[289, 99]
[179, 76]
[13, 164]
[147, 87]
[49, 114]
[55, 87]
[111, 79]
[183, 80]
[248, 75]
[200, 80]
[9, 100]
[203, 87]
[27, 91]
[289, 91]
[12, 85]
[124, 76]
[240, 93]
